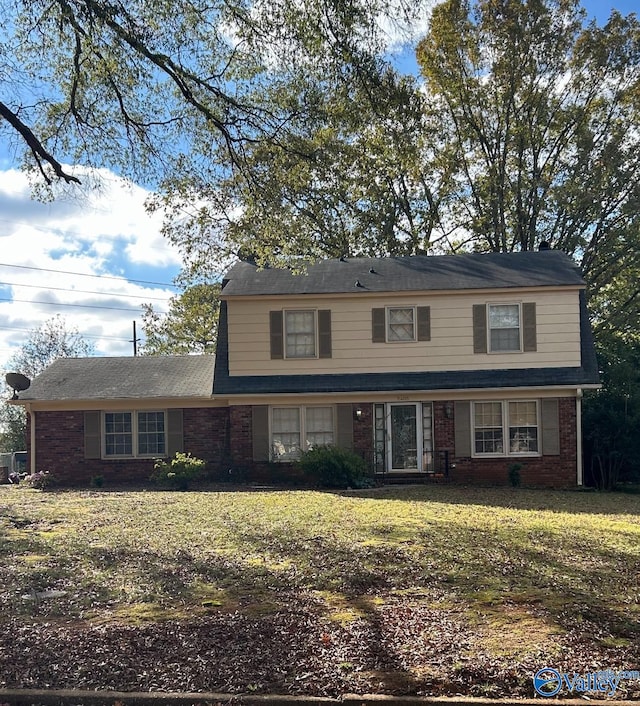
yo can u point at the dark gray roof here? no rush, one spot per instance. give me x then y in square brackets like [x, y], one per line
[143, 377]
[399, 274]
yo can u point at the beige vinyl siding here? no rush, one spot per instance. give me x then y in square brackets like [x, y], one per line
[450, 347]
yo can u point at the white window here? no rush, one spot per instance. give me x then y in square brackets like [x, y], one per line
[401, 324]
[297, 428]
[118, 434]
[300, 334]
[523, 427]
[488, 428]
[134, 434]
[504, 328]
[151, 433]
[494, 422]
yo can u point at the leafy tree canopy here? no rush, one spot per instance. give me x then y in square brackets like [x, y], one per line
[190, 325]
[539, 117]
[149, 87]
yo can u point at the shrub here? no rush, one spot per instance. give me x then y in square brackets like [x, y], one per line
[514, 474]
[41, 480]
[178, 472]
[333, 467]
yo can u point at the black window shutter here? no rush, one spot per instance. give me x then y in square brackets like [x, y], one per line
[550, 427]
[276, 334]
[175, 435]
[324, 333]
[462, 416]
[92, 435]
[479, 328]
[424, 323]
[378, 334]
[344, 424]
[529, 336]
[260, 432]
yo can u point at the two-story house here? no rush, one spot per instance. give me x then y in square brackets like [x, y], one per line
[438, 365]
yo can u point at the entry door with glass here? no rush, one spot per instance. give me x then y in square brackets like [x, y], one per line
[404, 432]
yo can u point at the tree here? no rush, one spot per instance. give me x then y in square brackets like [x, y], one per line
[612, 416]
[539, 118]
[155, 86]
[190, 325]
[45, 344]
[349, 182]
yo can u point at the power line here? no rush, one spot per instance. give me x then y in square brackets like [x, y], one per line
[84, 335]
[81, 306]
[84, 274]
[82, 291]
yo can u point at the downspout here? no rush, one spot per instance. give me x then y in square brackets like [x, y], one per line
[579, 436]
[32, 439]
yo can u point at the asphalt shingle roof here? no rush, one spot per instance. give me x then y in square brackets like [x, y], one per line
[415, 273]
[140, 377]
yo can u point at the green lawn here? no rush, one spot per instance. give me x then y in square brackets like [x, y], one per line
[423, 590]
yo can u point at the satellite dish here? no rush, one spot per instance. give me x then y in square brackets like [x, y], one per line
[18, 382]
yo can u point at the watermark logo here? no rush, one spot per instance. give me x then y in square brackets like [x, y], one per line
[549, 682]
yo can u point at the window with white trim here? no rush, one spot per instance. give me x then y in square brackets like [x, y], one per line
[300, 334]
[523, 427]
[133, 434]
[488, 428]
[504, 328]
[296, 428]
[401, 324]
[515, 421]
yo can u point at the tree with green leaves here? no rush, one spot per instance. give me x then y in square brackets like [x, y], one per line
[52, 340]
[190, 325]
[540, 141]
[155, 88]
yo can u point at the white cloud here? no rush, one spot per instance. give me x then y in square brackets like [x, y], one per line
[99, 232]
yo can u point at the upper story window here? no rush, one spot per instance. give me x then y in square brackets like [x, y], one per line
[504, 327]
[134, 434]
[300, 334]
[401, 324]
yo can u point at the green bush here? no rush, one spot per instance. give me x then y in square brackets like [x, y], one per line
[178, 472]
[333, 467]
[514, 474]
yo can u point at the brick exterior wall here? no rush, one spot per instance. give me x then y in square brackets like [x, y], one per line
[60, 447]
[224, 438]
[546, 471]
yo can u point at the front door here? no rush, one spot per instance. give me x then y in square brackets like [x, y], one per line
[404, 432]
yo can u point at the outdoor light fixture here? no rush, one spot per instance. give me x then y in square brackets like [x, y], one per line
[448, 410]
[358, 414]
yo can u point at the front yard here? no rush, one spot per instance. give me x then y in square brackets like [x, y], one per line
[414, 590]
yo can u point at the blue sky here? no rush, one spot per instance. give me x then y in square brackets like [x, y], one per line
[94, 255]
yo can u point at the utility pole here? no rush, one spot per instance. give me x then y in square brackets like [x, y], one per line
[135, 340]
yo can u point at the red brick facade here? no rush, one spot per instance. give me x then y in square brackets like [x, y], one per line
[559, 471]
[60, 447]
[224, 438]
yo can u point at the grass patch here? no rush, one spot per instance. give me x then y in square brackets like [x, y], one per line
[440, 574]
